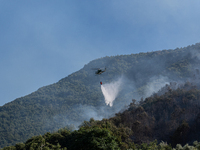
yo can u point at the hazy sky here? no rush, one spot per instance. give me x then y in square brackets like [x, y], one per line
[42, 41]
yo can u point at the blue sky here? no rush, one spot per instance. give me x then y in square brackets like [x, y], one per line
[42, 41]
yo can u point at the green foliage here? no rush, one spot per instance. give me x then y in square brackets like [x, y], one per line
[87, 138]
[94, 138]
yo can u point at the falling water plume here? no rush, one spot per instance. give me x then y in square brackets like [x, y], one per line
[111, 90]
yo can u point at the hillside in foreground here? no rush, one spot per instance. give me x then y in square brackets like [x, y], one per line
[78, 97]
[158, 122]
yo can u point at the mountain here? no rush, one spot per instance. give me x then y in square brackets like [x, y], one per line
[78, 97]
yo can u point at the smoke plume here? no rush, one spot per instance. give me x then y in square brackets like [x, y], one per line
[111, 90]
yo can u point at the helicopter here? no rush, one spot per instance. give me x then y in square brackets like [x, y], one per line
[99, 71]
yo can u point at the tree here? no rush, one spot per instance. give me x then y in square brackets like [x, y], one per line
[93, 138]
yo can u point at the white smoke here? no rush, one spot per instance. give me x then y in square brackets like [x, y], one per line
[111, 90]
[155, 84]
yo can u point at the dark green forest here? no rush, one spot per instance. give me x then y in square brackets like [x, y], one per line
[158, 122]
[140, 117]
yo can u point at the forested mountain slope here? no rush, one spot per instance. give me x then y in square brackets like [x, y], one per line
[173, 117]
[78, 97]
[158, 123]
